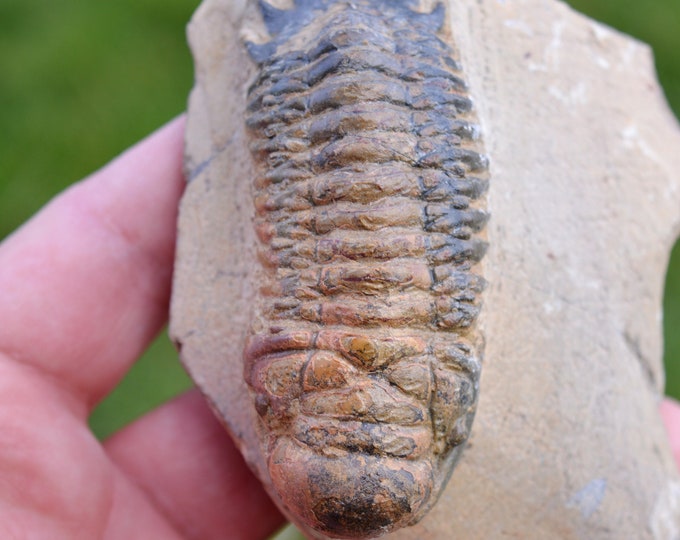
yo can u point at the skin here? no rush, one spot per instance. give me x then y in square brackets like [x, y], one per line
[85, 288]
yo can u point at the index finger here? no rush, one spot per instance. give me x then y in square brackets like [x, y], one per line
[86, 282]
[670, 413]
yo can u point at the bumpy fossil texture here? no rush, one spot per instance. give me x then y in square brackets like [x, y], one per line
[364, 356]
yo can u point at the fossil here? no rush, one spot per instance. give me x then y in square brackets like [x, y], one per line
[363, 357]
[584, 199]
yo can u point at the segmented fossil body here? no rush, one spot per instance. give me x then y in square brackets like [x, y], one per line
[364, 357]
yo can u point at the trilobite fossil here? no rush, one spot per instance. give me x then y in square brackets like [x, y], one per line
[363, 357]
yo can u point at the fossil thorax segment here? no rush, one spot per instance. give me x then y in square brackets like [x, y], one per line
[364, 356]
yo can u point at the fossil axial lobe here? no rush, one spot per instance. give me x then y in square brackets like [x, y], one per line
[363, 357]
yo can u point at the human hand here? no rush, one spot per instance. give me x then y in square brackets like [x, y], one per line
[85, 287]
[670, 413]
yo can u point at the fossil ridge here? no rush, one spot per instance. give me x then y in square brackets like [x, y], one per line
[567, 439]
[364, 358]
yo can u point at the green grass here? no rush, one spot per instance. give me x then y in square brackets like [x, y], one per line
[153, 380]
[79, 83]
[82, 81]
[655, 22]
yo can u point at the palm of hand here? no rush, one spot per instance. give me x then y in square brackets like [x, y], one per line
[85, 288]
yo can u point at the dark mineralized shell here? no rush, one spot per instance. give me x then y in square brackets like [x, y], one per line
[363, 356]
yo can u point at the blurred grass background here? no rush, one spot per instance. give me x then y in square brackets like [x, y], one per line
[82, 81]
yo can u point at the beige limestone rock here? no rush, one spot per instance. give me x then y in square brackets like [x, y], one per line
[584, 198]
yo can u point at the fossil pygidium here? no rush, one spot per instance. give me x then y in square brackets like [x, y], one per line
[364, 357]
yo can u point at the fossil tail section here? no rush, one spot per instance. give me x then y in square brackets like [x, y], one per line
[364, 354]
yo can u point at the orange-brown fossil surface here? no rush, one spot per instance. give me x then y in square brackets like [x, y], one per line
[364, 355]
[342, 160]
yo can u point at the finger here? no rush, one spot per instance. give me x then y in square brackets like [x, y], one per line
[670, 412]
[185, 461]
[86, 282]
[56, 482]
[133, 517]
